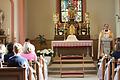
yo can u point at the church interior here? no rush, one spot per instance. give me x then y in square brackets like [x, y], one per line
[80, 36]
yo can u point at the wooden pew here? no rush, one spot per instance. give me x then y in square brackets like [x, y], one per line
[37, 71]
[42, 69]
[12, 73]
[113, 68]
[35, 66]
[119, 74]
[109, 70]
[101, 69]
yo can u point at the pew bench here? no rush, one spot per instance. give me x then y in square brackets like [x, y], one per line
[12, 73]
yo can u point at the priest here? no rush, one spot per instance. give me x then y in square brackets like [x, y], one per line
[105, 42]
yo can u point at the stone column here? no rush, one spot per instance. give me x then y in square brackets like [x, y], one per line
[117, 12]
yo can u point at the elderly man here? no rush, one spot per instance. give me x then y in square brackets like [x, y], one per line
[17, 60]
[105, 42]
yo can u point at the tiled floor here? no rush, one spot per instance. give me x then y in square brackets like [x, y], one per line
[87, 77]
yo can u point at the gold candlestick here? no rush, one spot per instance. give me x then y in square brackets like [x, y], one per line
[56, 19]
[79, 28]
[64, 29]
[56, 32]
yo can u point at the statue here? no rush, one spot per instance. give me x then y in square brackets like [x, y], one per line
[1, 18]
[71, 12]
[71, 36]
[72, 29]
[1, 22]
[105, 42]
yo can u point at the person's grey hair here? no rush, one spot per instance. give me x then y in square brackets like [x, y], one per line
[118, 46]
[17, 46]
[28, 47]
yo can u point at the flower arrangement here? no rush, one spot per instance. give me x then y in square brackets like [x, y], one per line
[45, 52]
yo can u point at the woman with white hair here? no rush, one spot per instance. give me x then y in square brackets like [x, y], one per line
[28, 52]
[27, 41]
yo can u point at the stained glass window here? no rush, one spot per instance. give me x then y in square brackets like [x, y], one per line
[71, 9]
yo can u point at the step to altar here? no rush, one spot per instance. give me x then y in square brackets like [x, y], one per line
[90, 67]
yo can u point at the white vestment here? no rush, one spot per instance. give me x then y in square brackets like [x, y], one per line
[104, 43]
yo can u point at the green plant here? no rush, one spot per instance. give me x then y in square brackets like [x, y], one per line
[41, 39]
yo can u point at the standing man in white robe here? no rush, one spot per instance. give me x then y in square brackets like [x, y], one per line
[105, 42]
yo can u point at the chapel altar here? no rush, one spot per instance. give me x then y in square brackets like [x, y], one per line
[72, 41]
[72, 29]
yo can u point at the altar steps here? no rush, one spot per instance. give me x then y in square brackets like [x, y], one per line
[67, 61]
[74, 65]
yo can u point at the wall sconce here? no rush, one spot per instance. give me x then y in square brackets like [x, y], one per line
[118, 17]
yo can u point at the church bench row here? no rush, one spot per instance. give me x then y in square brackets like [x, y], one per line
[14, 73]
[111, 72]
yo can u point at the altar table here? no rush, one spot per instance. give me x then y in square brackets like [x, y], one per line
[73, 44]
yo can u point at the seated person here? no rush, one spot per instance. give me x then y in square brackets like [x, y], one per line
[17, 60]
[116, 52]
[116, 41]
[27, 40]
[9, 52]
[2, 51]
[28, 53]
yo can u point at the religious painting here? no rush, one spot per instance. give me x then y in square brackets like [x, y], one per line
[71, 9]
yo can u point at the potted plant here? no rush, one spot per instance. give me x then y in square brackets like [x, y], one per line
[41, 39]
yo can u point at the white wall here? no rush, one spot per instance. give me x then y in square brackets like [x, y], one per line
[39, 15]
[101, 12]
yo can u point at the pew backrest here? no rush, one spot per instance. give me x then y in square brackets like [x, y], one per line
[35, 66]
[12, 73]
[113, 69]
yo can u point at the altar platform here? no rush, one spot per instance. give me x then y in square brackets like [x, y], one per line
[74, 55]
